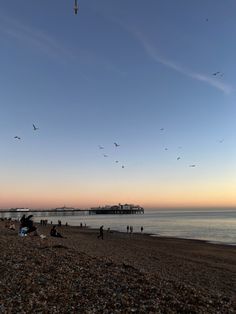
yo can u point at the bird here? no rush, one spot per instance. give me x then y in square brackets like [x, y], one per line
[76, 7]
[122, 167]
[104, 155]
[35, 128]
[100, 147]
[221, 141]
[216, 73]
[117, 161]
[192, 166]
[17, 137]
[178, 158]
[166, 148]
[162, 129]
[206, 20]
[116, 145]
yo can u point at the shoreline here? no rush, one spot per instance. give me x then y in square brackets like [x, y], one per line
[121, 274]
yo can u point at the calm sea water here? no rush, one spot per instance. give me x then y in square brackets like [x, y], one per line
[219, 227]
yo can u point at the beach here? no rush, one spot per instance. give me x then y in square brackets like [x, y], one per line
[121, 274]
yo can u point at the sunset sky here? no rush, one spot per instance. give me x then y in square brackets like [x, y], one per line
[119, 71]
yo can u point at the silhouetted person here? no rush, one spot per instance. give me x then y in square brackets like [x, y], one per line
[100, 232]
[54, 233]
[142, 229]
[127, 229]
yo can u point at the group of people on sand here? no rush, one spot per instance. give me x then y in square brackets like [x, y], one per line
[27, 227]
[130, 229]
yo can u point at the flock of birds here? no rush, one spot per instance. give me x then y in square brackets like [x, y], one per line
[35, 128]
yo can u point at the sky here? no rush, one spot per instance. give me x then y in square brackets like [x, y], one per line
[119, 71]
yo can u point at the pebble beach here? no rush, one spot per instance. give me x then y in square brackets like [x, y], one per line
[121, 274]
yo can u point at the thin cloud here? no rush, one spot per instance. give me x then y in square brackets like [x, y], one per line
[152, 53]
[35, 38]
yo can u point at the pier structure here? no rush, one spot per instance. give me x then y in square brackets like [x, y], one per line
[117, 210]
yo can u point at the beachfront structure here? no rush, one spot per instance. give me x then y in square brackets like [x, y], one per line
[117, 209]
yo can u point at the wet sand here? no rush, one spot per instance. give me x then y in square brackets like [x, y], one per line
[120, 274]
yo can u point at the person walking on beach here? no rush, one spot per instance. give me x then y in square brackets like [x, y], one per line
[131, 229]
[127, 229]
[100, 232]
[142, 229]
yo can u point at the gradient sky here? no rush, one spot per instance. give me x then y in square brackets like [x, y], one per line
[119, 71]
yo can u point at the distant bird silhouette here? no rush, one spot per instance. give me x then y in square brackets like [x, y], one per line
[122, 167]
[179, 147]
[207, 20]
[104, 155]
[100, 147]
[117, 161]
[76, 7]
[116, 145]
[166, 148]
[178, 158]
[17, 137]
[216, 73]
[35, 128]
[192, 166]
[162, 129]
[221, 141]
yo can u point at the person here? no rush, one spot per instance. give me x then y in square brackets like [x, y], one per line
[142, 229]
[100, 232]
[131, 229]
[54, 233]
[127, 229]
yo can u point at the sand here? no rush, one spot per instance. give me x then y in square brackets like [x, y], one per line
[120, 274]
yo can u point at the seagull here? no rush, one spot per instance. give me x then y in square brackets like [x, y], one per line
[162, 129]
[116, 145]
[117, 161]
[216, 73]
[166, 148]
[35, 128]
[178, 158]
[76, 7]
[100, 147]
[17, 137]
[221, 141]
[122, 167]
[105, 155]
[192, 166]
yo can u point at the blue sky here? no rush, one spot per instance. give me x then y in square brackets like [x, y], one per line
[119, 71]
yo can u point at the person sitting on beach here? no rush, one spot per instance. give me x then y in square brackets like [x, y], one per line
[54, 233]
[100, 232]
[30, 224]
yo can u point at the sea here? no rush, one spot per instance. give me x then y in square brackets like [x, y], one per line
[211, 226]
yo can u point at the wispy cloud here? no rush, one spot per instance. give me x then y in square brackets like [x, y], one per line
[155, 56]
[34, 37]
[52, 47]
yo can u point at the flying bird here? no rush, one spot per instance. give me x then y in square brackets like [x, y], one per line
[216, 73]
[116, 145]
[100, 147]
[162, 129]
[221, 141]
[192, 166]
[178, 158]
[117, 161]
[207, 20]
[17, 137]
[76, 7]
[166, 148]
[105, 155]
[35, 128]
[122, 167]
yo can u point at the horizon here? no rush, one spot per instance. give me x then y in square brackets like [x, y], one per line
[121, 103]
